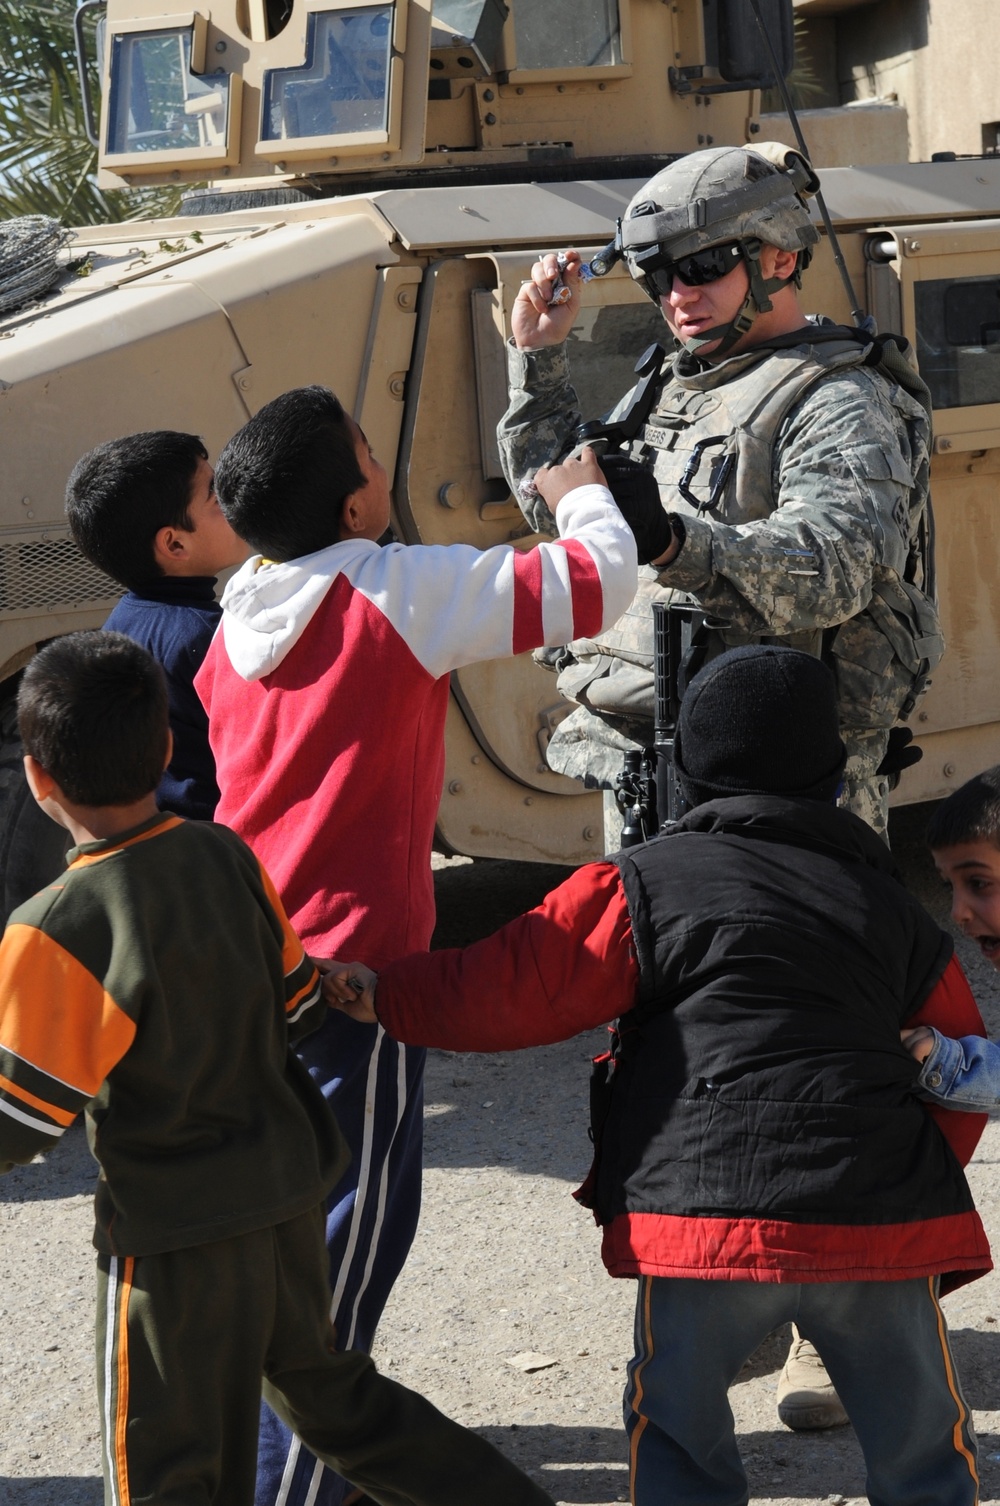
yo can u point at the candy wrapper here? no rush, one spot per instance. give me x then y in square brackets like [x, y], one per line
[560, 292]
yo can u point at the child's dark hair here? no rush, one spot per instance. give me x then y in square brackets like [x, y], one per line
[123, 492]
[92, 710]
[283, 478]
[971, 814]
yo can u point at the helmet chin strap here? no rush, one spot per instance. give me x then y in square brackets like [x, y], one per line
[757, 301]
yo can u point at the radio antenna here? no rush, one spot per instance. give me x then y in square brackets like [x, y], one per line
[861, 319]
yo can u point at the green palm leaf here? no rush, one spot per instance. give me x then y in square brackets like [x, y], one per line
[803, 85]
[47, 165]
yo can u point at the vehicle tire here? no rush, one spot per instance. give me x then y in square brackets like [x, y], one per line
[32, 846]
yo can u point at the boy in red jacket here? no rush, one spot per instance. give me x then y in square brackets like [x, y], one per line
[327, 688]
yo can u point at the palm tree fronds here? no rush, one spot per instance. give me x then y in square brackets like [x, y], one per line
[47, 165]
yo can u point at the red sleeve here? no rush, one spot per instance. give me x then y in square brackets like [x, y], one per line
[951, 1008]
[566, 966]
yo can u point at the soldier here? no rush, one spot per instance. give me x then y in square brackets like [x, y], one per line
[791, 456]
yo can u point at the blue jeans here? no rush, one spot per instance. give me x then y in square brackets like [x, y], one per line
[884, 1344]
[375, 1088]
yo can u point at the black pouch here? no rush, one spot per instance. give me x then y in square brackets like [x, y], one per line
[602, 1073]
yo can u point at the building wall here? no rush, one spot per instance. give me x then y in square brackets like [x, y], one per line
[856, 136]
[940, 59]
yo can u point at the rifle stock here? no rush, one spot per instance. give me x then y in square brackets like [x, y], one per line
[647, 792]
[667, 652]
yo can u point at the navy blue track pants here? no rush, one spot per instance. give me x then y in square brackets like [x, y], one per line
[375, 1088]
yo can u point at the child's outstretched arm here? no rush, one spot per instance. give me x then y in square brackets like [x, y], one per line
[455, 605]
[566, 966]
[950, 1010]
[962, 1073]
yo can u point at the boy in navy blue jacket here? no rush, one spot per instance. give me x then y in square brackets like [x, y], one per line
[143, 509]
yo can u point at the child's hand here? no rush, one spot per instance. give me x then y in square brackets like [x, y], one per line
[350, 987]
[553, 482]
[919, 1042]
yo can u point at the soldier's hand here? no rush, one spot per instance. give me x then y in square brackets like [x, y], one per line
[537, 321]
[553, 482]
[635, 491]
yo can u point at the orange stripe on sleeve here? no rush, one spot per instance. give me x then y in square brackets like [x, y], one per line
[292, 951]
[56, 1015]
[61, 1116]
[296, 999]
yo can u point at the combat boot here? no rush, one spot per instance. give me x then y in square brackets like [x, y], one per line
[806, 1398]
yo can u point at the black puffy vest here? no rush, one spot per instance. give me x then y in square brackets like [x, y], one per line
[761, 1073]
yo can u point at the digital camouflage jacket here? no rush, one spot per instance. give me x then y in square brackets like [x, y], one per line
[801, 475]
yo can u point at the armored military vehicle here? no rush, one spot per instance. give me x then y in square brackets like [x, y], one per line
[375, 182]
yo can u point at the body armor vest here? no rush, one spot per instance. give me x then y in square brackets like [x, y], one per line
[711, 441]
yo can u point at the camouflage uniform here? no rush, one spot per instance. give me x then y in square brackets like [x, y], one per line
[811, 540]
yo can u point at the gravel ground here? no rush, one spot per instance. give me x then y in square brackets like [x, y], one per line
[505, 1265]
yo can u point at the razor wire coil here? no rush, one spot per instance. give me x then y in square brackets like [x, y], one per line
[29, 258]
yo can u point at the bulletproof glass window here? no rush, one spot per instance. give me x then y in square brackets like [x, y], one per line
[568, 34]
[156, 103]
[343, 89]
[602, 348]
[958, 340]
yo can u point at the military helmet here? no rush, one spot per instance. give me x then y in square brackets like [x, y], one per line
[728, 196]
[726, 193]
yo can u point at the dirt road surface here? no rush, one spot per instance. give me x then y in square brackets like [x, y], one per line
[505, 1265]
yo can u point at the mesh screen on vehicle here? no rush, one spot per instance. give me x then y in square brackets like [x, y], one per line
[49, 573]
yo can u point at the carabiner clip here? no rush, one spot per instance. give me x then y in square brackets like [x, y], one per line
[722, 467]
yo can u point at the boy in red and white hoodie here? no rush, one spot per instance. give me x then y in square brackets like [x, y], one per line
[327, 688]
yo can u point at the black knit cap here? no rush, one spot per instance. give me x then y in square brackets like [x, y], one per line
[760, 720]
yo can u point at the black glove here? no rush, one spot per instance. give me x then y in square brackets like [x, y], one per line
[637, 495]
[899, 755]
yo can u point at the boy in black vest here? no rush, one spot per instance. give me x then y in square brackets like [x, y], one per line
[762, 1155]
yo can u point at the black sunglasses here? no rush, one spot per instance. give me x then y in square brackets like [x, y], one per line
[695, 271]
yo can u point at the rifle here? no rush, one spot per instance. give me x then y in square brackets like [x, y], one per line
[646, 790]
[618, 432]
[612, 434]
